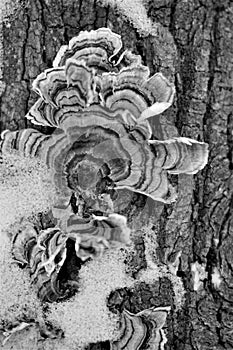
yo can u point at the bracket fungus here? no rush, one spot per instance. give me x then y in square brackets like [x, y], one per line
[45, 253]
[22, 242]
[99, 99]
[142, 330]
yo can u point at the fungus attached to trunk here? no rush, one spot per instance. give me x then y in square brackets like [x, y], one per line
[99, 99]
[142, 330]
[46, 252]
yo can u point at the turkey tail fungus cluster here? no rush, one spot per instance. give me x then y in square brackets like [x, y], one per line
[99, 98]
[142, 330]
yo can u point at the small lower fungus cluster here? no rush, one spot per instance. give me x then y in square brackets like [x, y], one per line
[98, 98]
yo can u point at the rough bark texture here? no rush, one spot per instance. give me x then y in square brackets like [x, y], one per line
[193, 48]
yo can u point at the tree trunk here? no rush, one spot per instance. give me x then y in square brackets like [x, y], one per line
[192, 46]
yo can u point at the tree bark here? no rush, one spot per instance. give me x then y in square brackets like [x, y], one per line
[193, 47]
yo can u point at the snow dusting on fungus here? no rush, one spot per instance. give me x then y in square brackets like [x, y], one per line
[99, 98]
[46, 252]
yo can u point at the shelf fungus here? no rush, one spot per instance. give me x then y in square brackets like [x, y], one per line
[99, 98]
[45, 252]
[22, 242]
[96, 234]
[142, 330]
[47, 258]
